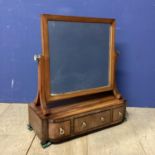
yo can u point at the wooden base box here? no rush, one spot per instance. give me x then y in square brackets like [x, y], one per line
[69, 121]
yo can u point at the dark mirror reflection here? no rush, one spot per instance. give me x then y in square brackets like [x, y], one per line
[79, 55]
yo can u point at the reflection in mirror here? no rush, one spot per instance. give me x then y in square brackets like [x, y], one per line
[79, 56]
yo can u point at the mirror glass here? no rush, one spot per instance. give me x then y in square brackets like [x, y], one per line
[79, 56]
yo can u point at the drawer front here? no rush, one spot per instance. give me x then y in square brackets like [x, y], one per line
[59, 130]
[118, 114]
[91, 121]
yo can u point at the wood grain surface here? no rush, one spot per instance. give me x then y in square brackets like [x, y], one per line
[133, 137]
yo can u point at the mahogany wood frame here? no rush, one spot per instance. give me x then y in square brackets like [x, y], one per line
[44, 90]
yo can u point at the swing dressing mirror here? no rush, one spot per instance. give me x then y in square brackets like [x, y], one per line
[79, 54]
[76, 75]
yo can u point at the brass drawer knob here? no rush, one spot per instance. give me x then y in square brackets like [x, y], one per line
[102, 119]
[120, 114]
[61, 131]
[83, 124]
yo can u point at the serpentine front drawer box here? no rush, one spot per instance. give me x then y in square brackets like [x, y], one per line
[57, 130]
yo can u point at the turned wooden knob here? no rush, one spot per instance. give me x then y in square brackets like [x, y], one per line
[61, 131]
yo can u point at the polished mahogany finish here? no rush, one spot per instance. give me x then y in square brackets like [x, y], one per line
[61, 117]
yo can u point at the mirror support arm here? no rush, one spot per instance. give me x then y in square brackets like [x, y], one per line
[115, 90]
[40, 99]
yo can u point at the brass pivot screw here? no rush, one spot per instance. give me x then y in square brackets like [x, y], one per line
[36, 57]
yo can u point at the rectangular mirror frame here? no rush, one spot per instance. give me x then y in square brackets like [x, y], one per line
[45, 82]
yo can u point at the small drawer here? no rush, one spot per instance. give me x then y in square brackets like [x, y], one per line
[91, 121]
[118, 114]
[59, 130]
